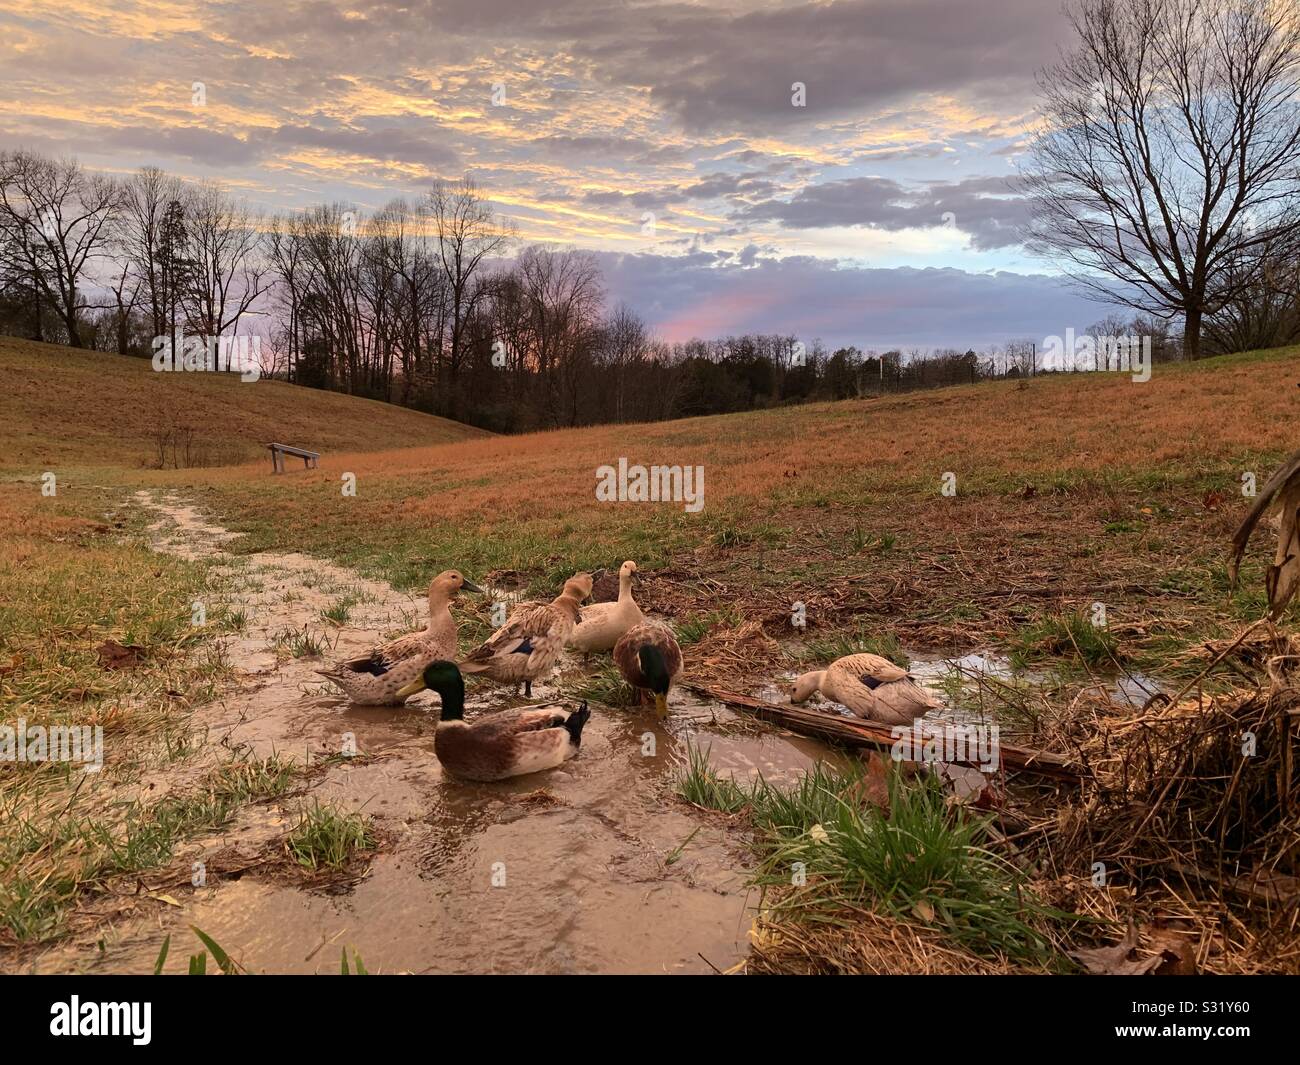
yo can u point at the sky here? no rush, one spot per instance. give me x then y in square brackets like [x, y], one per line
[874, 206]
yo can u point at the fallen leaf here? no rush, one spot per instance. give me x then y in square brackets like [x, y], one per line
[165, 898]
[1176, 953]
[1114, 960]
[114, 655]
[924, 911]
[873, 786]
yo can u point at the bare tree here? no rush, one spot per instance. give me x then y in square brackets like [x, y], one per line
[467, 233]
[228, 272]
[1170, 150]
[145, 201]
[57, 218]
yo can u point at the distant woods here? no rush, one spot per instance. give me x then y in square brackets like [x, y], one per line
[429, 303]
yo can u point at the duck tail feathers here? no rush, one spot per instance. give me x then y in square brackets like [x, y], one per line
[575, 722]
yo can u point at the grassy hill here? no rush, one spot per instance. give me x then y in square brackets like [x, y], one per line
[1067, 476]
[64, 406]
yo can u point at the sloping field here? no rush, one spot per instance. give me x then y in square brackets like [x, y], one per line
[89, 408]
[1065, 484]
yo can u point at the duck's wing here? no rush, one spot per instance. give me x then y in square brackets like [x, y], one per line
[868, 669]
[516, 636]
[508, 723]
[373, 681]
[512, 743]
[375, 663]
[903, 701]
[410, 645]
[672, 651]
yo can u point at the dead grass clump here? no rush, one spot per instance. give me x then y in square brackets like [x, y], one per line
[1199, 798]
[862, 942]
[740, 650]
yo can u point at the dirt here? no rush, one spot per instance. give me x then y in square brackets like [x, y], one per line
[594, 867]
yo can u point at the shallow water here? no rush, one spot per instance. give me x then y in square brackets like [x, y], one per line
[573, 871]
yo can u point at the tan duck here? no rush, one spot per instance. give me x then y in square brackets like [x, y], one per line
[511, 743]
[603, 623]
[649, 658]
[869, 685]
[374, 681]
[438, 637]
[374, 678]
[530, 643]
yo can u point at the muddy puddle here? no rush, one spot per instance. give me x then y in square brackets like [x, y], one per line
[595, 867]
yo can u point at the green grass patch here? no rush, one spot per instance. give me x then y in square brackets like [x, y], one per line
[327, 837]
[822, 854]
[1064, 636]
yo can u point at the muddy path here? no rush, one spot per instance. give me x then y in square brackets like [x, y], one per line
[595, 867]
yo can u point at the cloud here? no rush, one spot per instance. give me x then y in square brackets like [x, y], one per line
[717, 69]
[709, 294]
[388, 143]
[986, 208]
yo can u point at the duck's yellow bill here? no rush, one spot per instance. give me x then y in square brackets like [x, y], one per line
[416, 685]
[661, 705]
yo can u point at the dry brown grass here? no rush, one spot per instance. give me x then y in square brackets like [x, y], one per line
[1083, 423]
[865, 943]
[64, 406]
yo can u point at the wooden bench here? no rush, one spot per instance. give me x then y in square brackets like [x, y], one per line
[278, 451]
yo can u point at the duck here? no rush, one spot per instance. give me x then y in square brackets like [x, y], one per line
[373, 679]
[871, 686]
[438, 638]
[510, 743]
[531, 641]
[603, 623]
[649, 658]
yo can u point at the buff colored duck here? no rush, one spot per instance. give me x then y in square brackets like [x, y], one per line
[869, 685]
[498, 746]
[649, 658]
[374, 679]
[530, 642]
[603, 623]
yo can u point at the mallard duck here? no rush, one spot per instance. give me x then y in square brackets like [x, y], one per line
[649, 658]
[373, 680]
[510, 743]
[871, 686]
[603, 623]
[530, 643]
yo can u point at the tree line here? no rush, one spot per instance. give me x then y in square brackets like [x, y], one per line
[432, 304]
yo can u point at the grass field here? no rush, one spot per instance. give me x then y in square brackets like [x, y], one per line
[64, 406]
[1070, 491]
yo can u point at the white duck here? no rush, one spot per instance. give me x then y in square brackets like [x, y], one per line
[869, 685]
[603, 623]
